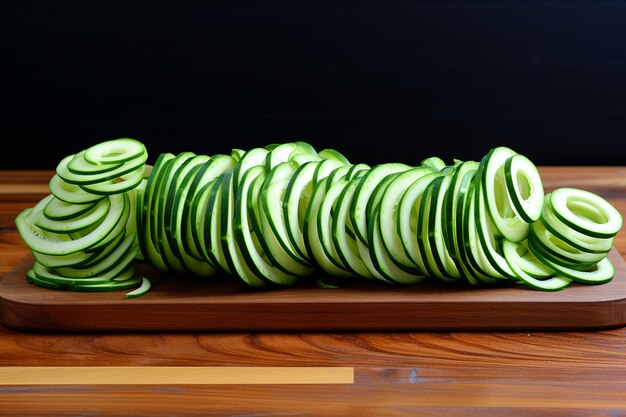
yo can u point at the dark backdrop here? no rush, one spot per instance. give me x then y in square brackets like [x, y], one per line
[378, 80]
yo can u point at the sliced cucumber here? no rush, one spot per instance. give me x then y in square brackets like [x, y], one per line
[487, 237]
[524, 187]
[273, 221]
[586, 212]
[442, 264]
[78, 165]
[272, 215]
[262, 270]
[311, 231]
[409, 223]
[462, 236]
[230, 248]
[324, 225]
[146, 215]
[388, 214]
[193, 226]
[287, 152]
[343, 236]
[115, 151]
[554, 283]
[71, 193]
[79, 221]
[295, 202]
[561, 248]
[492, 179]
[385, 267]
[600, 273]
[572, 237]
[49, 243]
[359, 215]
[121, 184]
[130, 167]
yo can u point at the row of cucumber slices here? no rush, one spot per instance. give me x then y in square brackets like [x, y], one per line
[273, 215]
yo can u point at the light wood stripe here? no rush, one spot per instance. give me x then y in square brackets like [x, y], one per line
[132, 375]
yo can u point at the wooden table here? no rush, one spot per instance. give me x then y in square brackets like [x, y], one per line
[557, 373]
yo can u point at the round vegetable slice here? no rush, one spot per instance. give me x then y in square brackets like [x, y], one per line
[524, 187]
[554, 283]
[586, 212]
[496, 197]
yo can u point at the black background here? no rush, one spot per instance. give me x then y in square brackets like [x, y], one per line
[378, 80]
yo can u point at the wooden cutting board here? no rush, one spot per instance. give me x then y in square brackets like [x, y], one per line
[182, 303]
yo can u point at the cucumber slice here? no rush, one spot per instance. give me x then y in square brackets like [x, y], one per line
[409, 224]
[389, 212]
[57, 209]
[115, 151]
[143, 288]
[324, 225]
[539, 249]
[197, 217]
[524, 187]
[384, 264]
[475, 219]
[343, 236]
[77, 164]
[435, 163]
[247, 160]
[574, 238]
[586, 212]
[71, 193]
[78, 222]
[295, 202]
[177, 199]
[600, 273]
[561, 248]
[121, 184]
[146, 214]
[488, 238]
[110, 266]
[529, 263]
[325, 167]
[274, 225]
[327, 215]
[442, 264]
[262, 270]
[193, 227]
[41, 241]
[48, 275]
[514, 259]
[312, 237]
[492, 179]
[230, 249]
[286, 152]
[330, 153]
[213, 227]
[174, 232]
[461, 239]
[126, 168]
[359, 215]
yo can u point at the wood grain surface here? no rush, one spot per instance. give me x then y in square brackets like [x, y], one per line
[185, 303]
[396, 373]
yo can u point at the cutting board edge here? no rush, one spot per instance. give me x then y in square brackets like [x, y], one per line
[592, 314]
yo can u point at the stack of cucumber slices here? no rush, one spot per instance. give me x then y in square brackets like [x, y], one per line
[270, 216]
